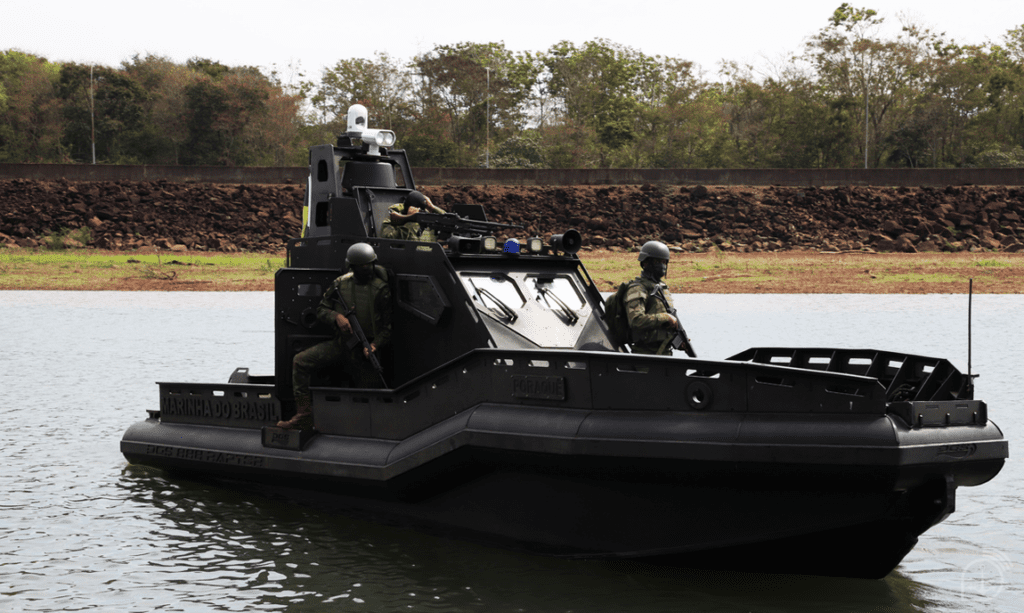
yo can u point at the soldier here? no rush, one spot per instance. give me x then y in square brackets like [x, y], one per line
[364, 290]
[398, 225]
[648, 302]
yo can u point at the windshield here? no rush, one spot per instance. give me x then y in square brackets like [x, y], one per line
[548, 309]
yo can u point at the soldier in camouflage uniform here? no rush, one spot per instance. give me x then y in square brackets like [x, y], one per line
[364, 290]
[648, 301]
[397, 224]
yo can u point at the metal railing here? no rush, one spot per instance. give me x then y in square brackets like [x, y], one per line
[591, 381]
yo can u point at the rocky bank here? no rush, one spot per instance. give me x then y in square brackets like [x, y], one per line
[126, 215]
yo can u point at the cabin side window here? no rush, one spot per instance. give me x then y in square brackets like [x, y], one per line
[422, 296]
[321, 214]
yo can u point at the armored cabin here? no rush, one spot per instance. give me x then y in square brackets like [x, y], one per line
[467, 292]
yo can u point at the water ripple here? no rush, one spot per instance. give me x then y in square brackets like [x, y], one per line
[80, 530]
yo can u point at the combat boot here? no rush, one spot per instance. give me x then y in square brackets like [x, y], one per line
[303, 418]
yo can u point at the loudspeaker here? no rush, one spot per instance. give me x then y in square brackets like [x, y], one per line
[569, 242]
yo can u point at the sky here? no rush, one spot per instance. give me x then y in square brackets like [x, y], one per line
[306, 37]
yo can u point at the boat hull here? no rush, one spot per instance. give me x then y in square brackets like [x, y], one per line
[601, 484]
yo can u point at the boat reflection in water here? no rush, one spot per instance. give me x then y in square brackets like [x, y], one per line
[512, 416]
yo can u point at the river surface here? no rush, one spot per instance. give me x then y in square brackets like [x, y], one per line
[81, 530]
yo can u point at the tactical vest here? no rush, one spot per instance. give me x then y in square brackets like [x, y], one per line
[362, 299]
[655, 301]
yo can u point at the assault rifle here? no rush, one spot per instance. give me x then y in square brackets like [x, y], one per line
[447, 224]
[680, 341]
[359, 337]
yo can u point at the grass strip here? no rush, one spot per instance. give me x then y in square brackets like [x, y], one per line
[716, 272]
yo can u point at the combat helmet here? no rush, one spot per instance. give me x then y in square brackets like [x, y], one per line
[654, 249]
[416, 199]
[360, 254]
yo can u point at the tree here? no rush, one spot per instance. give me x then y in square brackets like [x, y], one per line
[30, 119]
[216, 116]
[885, 77]
[937, 133]
[240, 117]
[596, 85]
[1002, 121]
[483, 90]
[694, 130]
[105, 102]
[523, 150]
[616, 106]
[166, 130]
[784, 120]
[381, 85]
[274, 136]
[969, 110]
[666, 91]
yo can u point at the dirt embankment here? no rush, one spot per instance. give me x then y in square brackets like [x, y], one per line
[261, 218]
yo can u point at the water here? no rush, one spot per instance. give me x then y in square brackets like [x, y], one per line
[81, 530]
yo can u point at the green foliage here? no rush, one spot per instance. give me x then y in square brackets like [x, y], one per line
[208, 140]
[380, 84]
[165, 131]
[103, 102]
[479, 91]
[429, 152]
[597, 87]
[238, 118]
[850, 18]
[150, 110]
[30, 125]
[916, 99]
[213, 69]
[58, 240]
[1004, 157]
[524, 150]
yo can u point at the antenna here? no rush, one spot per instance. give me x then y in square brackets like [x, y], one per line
[970, 371]
[92, 112]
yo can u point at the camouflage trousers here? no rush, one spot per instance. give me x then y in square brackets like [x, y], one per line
[335, 355]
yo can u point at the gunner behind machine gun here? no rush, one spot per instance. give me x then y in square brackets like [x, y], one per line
[401, 220]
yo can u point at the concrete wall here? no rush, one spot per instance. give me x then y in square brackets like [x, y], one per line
[513, 176]
[177, 174]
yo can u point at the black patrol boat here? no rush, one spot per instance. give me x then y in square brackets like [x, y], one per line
[512, 417]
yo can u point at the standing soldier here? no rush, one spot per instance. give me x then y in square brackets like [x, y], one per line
[361, 292]
[649, 310]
